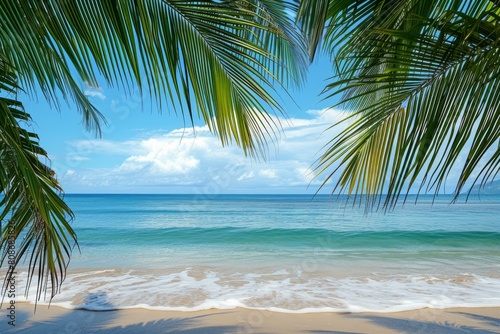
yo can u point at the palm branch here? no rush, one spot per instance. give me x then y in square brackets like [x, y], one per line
[420, 79]
[31, 203]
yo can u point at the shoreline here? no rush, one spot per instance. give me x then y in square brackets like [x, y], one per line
[56, 319]
[198, 289]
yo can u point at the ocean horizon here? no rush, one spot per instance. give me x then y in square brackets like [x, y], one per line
[285, 253]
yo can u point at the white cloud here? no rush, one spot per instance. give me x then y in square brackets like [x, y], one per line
[246, 176]
[94, 92]
[165, 156]
[268, 173]
[195, 158]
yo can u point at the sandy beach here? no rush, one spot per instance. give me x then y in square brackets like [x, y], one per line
[59, 320]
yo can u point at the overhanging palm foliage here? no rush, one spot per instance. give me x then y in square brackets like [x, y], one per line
[217, 60]
[422, 80]
[31, 202]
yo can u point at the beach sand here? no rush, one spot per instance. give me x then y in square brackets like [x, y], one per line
[60, 320]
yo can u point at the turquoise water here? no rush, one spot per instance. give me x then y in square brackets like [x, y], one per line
[285, 253]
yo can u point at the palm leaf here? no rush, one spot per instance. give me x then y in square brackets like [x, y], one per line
[421, 78]
[31, 205]
[217, 60]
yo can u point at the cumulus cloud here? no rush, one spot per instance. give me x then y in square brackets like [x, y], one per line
[92, 91]
[195, 158]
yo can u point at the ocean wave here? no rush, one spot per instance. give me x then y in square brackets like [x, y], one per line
[194, 289]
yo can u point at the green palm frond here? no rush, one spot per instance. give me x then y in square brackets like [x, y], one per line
[220, 61]
[31, 205]
[421, 78]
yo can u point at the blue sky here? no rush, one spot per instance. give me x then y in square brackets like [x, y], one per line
[144, 150]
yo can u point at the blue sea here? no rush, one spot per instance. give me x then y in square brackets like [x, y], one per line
[285, 253]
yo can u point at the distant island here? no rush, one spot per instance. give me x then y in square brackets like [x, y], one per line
[491, 188]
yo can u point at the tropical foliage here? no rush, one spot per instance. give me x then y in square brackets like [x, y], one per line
[217, 60]
[421, 81]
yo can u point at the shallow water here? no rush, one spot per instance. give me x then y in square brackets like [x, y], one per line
[285, 253]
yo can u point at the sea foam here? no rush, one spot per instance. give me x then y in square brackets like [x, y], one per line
[196, 289]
